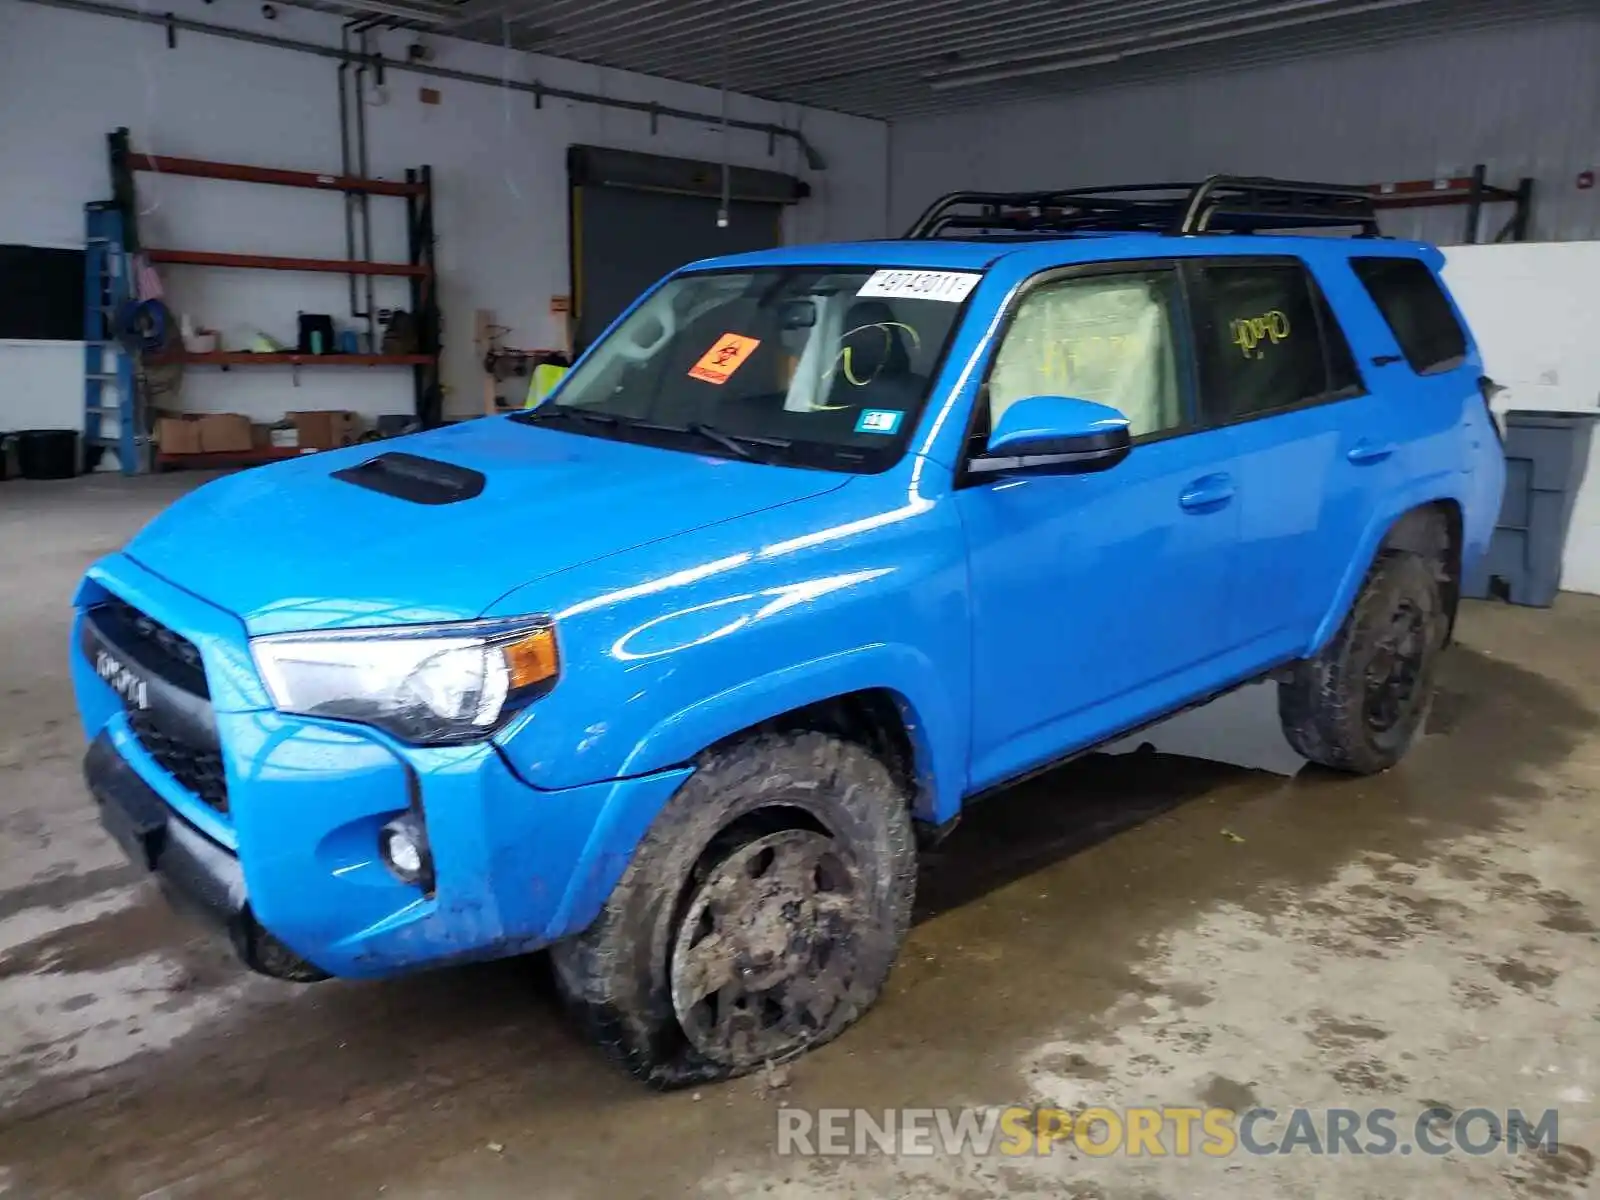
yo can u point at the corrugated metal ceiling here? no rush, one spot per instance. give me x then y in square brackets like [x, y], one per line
[902, 58]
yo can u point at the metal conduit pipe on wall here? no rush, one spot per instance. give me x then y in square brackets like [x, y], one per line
[813, 157]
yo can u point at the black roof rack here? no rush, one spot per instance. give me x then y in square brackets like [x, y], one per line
[1221, 204]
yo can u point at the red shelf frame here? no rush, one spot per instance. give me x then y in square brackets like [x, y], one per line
[1469, 191]
[418, 270]
[273, 262]
[233, 458]
[288, 358]
[201, 169]
[1421, 193]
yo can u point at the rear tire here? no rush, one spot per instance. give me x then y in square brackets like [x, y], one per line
[758, 919]
[1357, 705]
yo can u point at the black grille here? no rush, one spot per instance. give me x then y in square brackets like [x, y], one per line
[197, 769]
[176, 652]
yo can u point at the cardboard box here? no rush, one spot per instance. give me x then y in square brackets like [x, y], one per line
[224, 433]
[283, 439]
[178, 435]
[324, 430]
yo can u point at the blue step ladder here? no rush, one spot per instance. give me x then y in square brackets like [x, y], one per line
[109, 387]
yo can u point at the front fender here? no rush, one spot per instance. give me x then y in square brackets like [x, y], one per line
[654, 773]
[680, 644]
[937, 733]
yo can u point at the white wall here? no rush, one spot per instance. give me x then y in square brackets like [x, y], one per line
[1535, 311]
[1525, 100]
[67, 79]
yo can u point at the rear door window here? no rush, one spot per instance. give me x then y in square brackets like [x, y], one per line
[1417, 310]
[1343, 377]
[1260, 339]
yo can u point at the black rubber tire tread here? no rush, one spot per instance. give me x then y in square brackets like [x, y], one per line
[614, 975]
[1321, 704]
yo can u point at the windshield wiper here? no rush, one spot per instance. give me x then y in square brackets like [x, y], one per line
[712, 434]
[552, 412]
[736, 442]
[733, 443]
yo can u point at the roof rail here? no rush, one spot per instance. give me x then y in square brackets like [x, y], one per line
[1221, 204]
[1146, 206]
[1246, 204]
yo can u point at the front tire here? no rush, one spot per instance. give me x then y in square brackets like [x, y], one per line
[1357, 705]
[758, 919]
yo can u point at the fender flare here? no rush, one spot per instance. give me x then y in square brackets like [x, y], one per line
[658, 764]
[1418, 494]
[938, 732]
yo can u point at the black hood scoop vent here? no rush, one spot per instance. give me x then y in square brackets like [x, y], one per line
[414, 478]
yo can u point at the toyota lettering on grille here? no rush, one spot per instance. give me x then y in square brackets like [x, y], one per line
[131, 687]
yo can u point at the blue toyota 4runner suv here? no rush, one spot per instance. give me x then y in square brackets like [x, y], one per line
[813, 547]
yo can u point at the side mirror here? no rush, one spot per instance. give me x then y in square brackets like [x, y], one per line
[1055, 435]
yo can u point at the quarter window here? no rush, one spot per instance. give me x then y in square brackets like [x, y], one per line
[1107, 338]
[1417, 310]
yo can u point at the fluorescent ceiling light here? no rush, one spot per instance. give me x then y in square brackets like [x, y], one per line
[422, 12]
[996, 72]
[945, 83]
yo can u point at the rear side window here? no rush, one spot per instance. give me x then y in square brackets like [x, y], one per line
[1259, 339]
[1415, 306]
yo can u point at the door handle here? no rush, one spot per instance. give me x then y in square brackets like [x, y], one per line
[1385, 360]
[1208, 493]
[1365, 453]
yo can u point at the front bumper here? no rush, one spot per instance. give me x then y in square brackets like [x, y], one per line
[290, 864]
[196, 873]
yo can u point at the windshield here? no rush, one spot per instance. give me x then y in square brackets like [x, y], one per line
[809, 366]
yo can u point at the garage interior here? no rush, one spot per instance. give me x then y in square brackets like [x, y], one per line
[361, 218]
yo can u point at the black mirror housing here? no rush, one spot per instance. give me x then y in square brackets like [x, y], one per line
[1055, 435]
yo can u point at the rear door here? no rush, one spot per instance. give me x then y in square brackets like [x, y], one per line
[1310, 437]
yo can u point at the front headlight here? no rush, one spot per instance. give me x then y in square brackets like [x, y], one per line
[428, 684]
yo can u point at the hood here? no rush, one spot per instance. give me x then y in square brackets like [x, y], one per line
[290, 547]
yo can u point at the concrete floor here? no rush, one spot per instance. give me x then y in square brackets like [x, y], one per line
[1130, 930]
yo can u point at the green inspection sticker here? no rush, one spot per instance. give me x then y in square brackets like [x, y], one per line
[879, 420]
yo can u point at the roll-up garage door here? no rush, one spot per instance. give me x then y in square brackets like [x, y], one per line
[635, 217]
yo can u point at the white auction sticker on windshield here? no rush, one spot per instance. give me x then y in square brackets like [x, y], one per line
[950, 286]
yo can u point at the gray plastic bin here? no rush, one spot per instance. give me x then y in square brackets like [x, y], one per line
[1546, 453]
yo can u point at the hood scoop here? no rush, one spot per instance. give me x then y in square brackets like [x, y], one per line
[414, 478]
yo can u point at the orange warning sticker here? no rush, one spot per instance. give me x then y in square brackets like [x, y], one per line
[718, 364]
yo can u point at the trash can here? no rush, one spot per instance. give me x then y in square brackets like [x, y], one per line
[1546, 453]
[48, 453]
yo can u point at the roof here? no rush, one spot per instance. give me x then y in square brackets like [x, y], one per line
[942, 255]
[1041, 253]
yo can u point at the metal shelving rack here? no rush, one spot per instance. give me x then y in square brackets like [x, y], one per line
[418, 269]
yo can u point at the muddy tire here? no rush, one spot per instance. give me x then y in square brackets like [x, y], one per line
[1357, 705]
[758, 919]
